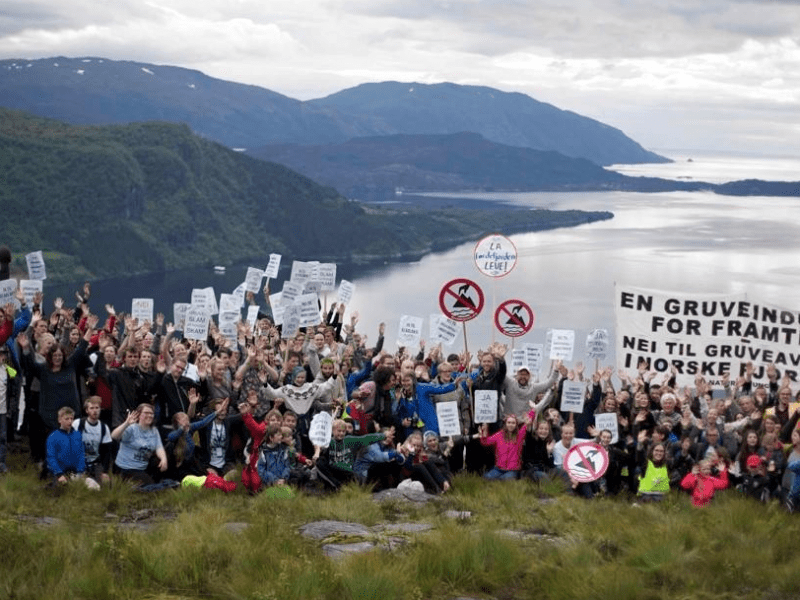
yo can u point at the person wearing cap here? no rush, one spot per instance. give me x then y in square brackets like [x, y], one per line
[521, 394]
[755, 481]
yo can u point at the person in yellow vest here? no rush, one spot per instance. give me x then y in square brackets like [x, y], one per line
[654, 484]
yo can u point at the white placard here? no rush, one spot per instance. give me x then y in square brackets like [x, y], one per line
[229, 302]
[443, 329]
[597, 344]
[239, 293]
[409, 331]
[36, 268]
[291, 290]
[179, 314]
[308, 304]
[562, 344]
[252, 316]
[572, 396]
[30, 287]
[199, 298]
[485, 406]
[291, 322]
[252, 280]
[228, 320]
[273, 267]
[534, 353]
[196, 326]
[301, 272]
[327, 275]
[607, 421]
[205, 298]
[346, 290]
[518, 360]
[495, 256]
[312, 287]
[142, 310]
[321, 429]
[448, 418]
[278, 307]
[7, 289]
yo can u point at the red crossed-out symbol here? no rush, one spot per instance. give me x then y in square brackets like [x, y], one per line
[513, 318]
[586, 462]
[461, 299]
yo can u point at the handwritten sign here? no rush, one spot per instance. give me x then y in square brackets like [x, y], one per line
[239, 293]
[291, 321]
[7, 289]
[346, 290]
[229, 302]
[179, 314]
[196, 326]
[562, 344]
[252, 280]
[572, 396]
[495, 256]
[228, 320]
[273, 267]
[142, 309]
[448, 418]
[36, 268]
[30, 287]
[534, 354]
[518, 360]
[607, 421]
[485, 406]
[443, 329]
[205, 298]
[327, 276]
[409, 331]
[252, 315]
[597, 344]
[321, 429]
[291, 290]
[301, 272]
[308, 305]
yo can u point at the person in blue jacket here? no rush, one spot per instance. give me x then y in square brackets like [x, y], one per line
[65, 455]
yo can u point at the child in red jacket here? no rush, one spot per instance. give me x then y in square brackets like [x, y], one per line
[702, 484]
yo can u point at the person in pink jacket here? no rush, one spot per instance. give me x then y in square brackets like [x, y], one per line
[507, 443]
[702, 485]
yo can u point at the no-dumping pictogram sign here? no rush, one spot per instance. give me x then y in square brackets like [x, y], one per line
[513, 318]
[461, 299]
[586, 462]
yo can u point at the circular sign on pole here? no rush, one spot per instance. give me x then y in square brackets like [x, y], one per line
[586, 462]
[495, 255]
[513, 318]
[461, 299]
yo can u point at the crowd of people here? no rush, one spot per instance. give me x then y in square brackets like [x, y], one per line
[104, 398]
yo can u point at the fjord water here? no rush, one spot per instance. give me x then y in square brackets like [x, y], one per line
[678, 241]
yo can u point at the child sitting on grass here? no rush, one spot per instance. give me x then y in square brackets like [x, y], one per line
[65, 456]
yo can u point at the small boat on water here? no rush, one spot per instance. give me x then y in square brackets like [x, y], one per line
[219, 270]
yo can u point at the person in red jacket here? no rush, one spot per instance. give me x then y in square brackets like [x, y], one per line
[702, 484]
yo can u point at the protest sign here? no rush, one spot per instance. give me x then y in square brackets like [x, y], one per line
[327, 276]
[443, 329]
[196, 324]
[229, 302]
[36, 268]
[312, 287]
[252, 280]
[142, 310]
[291, 290]
[409, 331]
[30, 287]
[7, 289]
[346, 290]
[513, 318]
[179, 314]
[228, 320]
[704, 334]
[461, 299]
[278, 307]
[239, 293]
[534, 353]
[291, 321]
[586, 462]
[562, 344]
[572, 396]
[301, 272]
[321, 429]
[597, 344]
[607, 421]
[252, 316]
[518, 360]
[495, 256]
[485, 406]
[271, 272]
[448, 418]
[308, 305]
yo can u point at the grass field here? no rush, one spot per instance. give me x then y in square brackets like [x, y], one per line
[520, 541]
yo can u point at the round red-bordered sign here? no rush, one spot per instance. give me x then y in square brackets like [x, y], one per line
[461, 299]
[586, 462]
[495, 255]
[513, 318]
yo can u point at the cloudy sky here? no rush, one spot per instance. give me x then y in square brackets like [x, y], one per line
[718, 75]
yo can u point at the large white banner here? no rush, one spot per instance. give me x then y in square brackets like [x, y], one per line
[705, 334]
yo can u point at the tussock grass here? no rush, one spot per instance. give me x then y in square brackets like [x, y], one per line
[513, 546]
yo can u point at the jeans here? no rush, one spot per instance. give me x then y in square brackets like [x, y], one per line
[496, 473]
